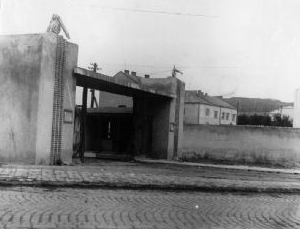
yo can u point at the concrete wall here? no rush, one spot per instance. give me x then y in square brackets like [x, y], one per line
[179, 114]
[69, 102]
[163, 119]
[161, 134]
[20, 67]
[242, 144]
[195, 113]
[27, 67]
[45, 102]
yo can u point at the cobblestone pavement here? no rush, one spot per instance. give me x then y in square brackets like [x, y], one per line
[85, 208]
[136, 175]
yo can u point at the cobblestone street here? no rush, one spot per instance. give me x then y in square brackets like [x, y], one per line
[85, 208]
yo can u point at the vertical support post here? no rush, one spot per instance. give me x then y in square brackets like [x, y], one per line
[92, 97]
[132, 144]
[83, 123]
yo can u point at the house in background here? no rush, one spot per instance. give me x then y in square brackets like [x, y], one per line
[200, 108]
[296, 117]
[107, 99]
[283, 111]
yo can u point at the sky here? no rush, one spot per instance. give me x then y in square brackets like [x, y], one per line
[223, 47]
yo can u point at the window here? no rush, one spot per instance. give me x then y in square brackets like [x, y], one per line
[68, 116]
[227, 116]
[233, 117]
[216, 114]
[223, 115]
[207, 111]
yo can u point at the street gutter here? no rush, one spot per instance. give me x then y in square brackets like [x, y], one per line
[175, 187]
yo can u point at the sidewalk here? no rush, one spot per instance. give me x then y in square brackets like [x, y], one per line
[149, 174]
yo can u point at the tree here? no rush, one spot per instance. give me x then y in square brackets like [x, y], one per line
[276, 120]
[265, 120]
[243, 120]
[286, 121]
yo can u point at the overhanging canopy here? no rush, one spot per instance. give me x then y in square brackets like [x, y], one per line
[98, 81]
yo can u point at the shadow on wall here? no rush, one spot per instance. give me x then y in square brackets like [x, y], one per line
[26, 159]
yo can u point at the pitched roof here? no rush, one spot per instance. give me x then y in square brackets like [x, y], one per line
[126, 77]
[220, 102]
[194, 97]
[199, 97]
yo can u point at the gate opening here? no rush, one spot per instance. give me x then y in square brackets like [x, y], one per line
[136, 116]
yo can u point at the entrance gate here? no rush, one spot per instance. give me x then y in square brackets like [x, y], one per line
[157, 104]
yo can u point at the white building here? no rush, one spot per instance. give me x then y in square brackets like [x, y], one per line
[284, 111]
[199, 108]
[296, 119]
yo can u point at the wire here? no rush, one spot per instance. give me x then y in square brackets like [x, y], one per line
[210, 66]
[154, 73]
[149, 11]
[138, 65]
[170, 66]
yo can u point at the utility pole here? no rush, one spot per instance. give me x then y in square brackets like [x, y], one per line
[174, 71]
[94, 67]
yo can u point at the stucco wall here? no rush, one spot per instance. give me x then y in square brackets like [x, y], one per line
[162, 136]
[20, 61]
[210, 118]
[166, 115]
[27, 70]
[46, 85]
[242, 144]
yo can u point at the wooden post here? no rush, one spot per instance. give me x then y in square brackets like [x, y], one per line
[83, 123]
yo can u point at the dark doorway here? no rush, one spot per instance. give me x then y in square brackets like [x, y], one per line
[108, 134]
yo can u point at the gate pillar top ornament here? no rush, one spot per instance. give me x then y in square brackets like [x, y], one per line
[56, 24]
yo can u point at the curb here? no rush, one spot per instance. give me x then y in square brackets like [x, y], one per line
[157, 187]
[221, 167]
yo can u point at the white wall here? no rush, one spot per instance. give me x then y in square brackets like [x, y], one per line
[195, 113]
[296, 121]
[209, 118]
[228, 121]
[284, 111]
[190, 115]
[241, 144]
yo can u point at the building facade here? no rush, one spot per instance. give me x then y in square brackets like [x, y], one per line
[200, 108]
[296, 118]
[287, 111]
